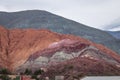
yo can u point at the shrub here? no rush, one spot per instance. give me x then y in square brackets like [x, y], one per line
[5, 77]
[38, 72]
[4, 71]
[28, 72]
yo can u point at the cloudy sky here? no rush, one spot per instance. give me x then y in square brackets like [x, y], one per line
[94, 13]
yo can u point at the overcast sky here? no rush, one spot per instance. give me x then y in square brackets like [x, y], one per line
[94, 13]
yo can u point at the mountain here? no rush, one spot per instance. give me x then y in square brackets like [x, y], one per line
[38, 19]
[113, 28]
[116, 34]
[33, 49]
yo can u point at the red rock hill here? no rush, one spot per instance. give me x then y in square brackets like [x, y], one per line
[17, 45]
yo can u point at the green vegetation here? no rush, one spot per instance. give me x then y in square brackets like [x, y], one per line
[5, 77]
[35, 77]
[28, 72]
[17, 78]
[4, 71]
[38, 72]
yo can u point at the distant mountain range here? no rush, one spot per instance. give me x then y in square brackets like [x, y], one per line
[43, 19]
[113, 26]
[116, 34]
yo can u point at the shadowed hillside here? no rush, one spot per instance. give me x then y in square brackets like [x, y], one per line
[116, 34]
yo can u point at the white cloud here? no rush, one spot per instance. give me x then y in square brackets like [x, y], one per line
[115, 29]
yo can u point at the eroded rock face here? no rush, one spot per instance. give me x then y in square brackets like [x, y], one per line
[79, 67]
[4, 45]
[20, 48]
[60, 52]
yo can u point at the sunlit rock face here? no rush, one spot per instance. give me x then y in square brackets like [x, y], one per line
[31, 48]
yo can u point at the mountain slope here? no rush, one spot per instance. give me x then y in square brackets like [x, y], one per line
[116, 34]
[26, 48]
[114, 28]
[43, 19]
[80, 67]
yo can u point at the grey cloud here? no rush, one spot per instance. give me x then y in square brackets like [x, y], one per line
[90, 12]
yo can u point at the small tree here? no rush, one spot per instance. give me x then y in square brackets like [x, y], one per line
[4, 71]
[35, 77]
[28, 72]
[38, 72]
